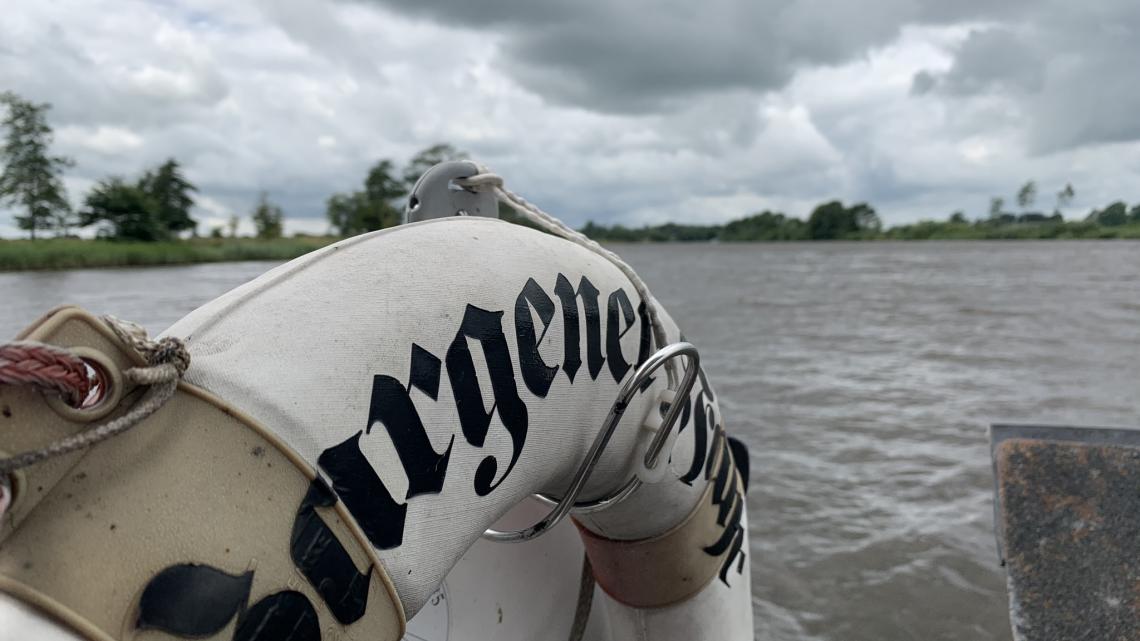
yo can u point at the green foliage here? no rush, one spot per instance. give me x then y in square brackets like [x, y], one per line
[1114, 215]
[356, 213]
[171, 193]
[268, 219]
[379, 204]
[31, 178]
[123, 211]
[382, 185]
[1065, 196]
[996, 205]
[1027, 195]
[766, 225]
[73, 253]
[369, 209]
[859, 222]
[156, 207]
[833, 221]
[669, 232]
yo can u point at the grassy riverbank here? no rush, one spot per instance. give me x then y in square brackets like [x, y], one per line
[74, 253]
[768, 227]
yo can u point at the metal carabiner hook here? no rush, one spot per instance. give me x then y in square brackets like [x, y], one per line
[567, 503]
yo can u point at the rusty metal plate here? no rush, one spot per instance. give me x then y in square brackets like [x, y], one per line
[1067, 513]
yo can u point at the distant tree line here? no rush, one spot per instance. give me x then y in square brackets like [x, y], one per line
[828, 221]
[157, 205]
[154, 207]
[835, 221]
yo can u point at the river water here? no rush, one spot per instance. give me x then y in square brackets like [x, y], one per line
[863, 376]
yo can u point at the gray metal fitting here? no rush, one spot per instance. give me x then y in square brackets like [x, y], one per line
[436, 195]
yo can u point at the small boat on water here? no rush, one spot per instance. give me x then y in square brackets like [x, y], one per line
[379, 440]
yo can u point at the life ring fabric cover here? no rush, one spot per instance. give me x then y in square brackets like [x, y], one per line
[438, 373]
[197, 523]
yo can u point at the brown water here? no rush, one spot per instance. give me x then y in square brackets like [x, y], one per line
[863, 377]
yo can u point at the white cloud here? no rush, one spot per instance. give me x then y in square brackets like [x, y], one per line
[298, 98]
[103, 139]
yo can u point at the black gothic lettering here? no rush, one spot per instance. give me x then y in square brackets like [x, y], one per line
[646, 343]
[741, 459]
[569, 299]
[392, 406]
[718, 548]
[192, 600]
[535, 372]
[717, 446]
[700, 439]
[737, 541]
[364, 494]
[487, 328]
[726, 494]
[424, 372]
[282, 616]
[319, 555]
[618, 301]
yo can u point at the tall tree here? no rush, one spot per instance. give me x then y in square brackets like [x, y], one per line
[1065, 197]
[370, 209]
[1114, 215]
[382, 185]
[866, 218]
[32, 178]
[830, 221]
[1026, 195]
[123, 210]
[997, 203]
[428, 158]
[172, 193]
[339, 211]
[267, 218]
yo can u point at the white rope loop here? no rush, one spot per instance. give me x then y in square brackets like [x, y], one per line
[486, 180]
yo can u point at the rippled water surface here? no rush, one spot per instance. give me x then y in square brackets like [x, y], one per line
[863, 377]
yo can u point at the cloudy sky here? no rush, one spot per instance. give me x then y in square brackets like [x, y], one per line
[630, 111]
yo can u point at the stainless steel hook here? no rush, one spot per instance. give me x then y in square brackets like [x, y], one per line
[563, 506]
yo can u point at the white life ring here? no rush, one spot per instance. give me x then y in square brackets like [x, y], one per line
[434, 377]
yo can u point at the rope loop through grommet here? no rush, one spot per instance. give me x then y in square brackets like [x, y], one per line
[167, 360]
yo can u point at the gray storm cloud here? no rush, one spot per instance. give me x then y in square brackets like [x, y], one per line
[646, 56]
[630, 111]
[642, 55]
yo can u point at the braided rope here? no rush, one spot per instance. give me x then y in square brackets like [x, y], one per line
[47, 367]
[488, 181]
[167, 360]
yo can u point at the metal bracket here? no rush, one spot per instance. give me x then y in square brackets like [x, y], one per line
[633, 385]
[436, 195]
